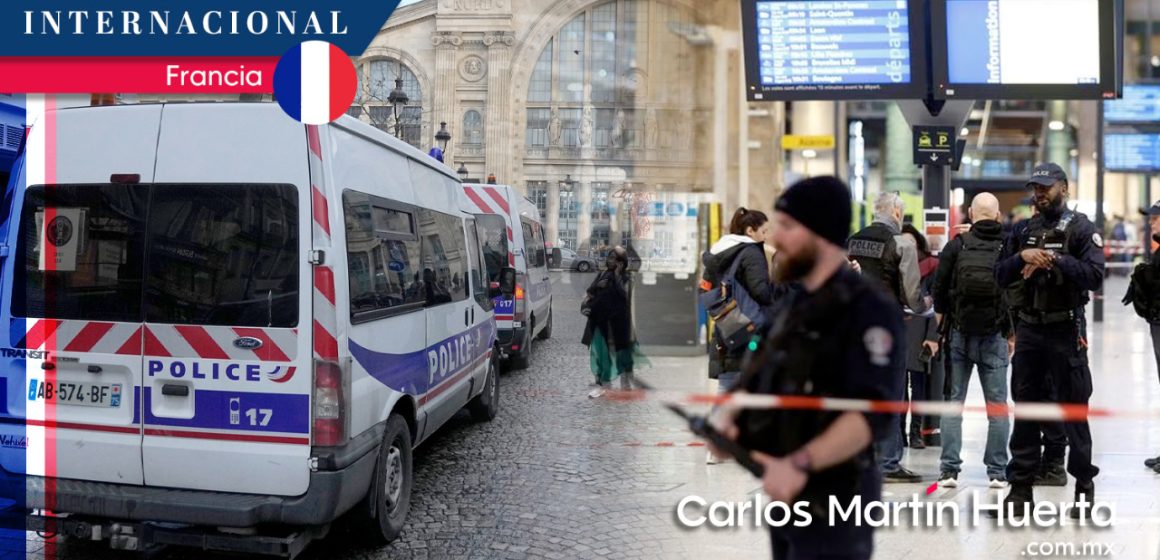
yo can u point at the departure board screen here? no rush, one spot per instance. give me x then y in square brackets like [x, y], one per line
[1133, 153]
[1140, 104]
[832, 50]
[995, 50]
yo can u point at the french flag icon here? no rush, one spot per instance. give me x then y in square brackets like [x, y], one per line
[315, 82]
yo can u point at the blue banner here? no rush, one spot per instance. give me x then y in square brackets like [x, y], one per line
[198, 28]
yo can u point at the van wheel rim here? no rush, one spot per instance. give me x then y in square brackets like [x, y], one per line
[394, 482]
[494, 386]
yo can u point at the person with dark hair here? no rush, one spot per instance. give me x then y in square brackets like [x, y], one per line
[608, 334]
[1060, 259]
[739, 255]
[921, 343]
[839, 337]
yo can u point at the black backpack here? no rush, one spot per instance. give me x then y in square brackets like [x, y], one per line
[976, 297]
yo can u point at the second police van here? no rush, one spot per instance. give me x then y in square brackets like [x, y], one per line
[513, 235]
[228, 319]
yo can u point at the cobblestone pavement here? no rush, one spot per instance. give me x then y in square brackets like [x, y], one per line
[557, 475]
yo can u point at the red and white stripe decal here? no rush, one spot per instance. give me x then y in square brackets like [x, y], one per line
[217, 343]
[498, 198]
[511, 242]
[325, 326]
[82, 336]
[478, 199]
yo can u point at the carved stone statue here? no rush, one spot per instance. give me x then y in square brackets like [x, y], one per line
[650, 129]
[586, 125]
[555, 128]
[618, 130]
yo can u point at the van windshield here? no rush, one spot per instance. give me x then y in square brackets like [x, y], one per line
[493, 233]
[191, 254]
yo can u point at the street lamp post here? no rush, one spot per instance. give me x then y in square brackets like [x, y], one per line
[398, 100]
[462, 171]
[442, 137]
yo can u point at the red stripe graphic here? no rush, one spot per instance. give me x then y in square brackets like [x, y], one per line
[133, 345]
[324, 343]
[510, 236]
[321, 210]
[478, 201]
[324, 282]
[269, 351]
[202, 342]
[498, 198]
[312, 140]
[228, 437]
[49, 338]
[449, 382]
[89, 336]
[88, 427]
[136, 429]
[153, 347]
[40, 332]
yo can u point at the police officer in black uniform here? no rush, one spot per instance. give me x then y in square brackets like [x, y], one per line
[1060, 258]
[839, 336]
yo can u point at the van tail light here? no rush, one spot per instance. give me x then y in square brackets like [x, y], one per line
[329, 405]
[519, 292]
[520, 303]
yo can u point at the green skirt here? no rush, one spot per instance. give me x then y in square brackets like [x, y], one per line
[607, 362]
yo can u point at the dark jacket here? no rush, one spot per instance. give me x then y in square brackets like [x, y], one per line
[609, 298]
[988, 230]
[752, 273]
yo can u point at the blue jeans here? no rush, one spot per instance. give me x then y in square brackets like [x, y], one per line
[989, 355]
[725, 381]
[888, 448]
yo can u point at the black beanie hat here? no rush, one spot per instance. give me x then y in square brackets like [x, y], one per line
[821, 204]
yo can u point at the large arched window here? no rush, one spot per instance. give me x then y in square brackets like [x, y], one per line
[376, 80]
[587, 89]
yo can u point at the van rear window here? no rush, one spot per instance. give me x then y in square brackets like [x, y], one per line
[190, 254]
[493, 234]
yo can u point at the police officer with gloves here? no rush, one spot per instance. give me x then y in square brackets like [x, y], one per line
[838, 337]
[1060, 258]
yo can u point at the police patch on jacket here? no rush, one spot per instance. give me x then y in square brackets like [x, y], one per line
[1097, 240]
[878, 343]
[866, 248]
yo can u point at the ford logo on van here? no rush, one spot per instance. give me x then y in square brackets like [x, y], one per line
[248, 343]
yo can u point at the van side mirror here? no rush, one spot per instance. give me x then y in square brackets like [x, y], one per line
[507, 281]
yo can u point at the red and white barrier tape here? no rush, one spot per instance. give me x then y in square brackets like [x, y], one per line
[1042, 412]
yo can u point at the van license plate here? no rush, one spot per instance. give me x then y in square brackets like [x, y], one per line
[106, 395]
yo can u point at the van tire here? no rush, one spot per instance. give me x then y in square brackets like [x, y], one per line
[485, 405]
[387, 515]
[547, 332]
[520, 360]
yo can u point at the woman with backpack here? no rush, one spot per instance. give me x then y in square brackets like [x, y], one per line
[741, 255]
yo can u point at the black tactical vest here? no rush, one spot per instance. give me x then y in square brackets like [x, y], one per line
[876, 252]
[1050, 291]
[799, 359]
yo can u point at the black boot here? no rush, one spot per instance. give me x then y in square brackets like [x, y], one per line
[1051, 474]
[1085, 498]
[1017, 502]
[916, 441]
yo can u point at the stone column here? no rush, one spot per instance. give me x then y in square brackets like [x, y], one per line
[499, 138]
[901, 173]
[813, 118]
[443, 98]
[552, 219]
[584, 217]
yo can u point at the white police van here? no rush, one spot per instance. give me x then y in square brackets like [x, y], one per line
[222, 319]
[513, 235]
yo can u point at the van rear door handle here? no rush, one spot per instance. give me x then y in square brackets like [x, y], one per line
[467, 316]
[175, 390]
